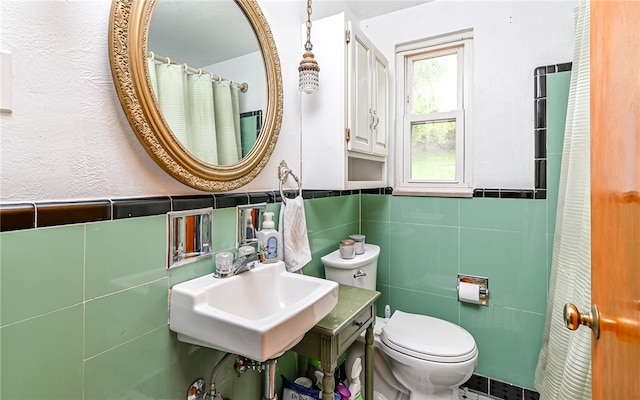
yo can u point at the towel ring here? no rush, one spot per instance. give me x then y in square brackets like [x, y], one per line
[283, 173]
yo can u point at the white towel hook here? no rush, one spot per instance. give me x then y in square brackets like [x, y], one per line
[283, 173]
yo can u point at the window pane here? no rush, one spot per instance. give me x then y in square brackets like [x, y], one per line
[433, 151]
[435, 84]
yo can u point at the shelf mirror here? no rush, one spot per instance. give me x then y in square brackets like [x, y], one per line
[249, 223]
[200, 83]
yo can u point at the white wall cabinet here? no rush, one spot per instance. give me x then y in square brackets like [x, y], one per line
[345, 123]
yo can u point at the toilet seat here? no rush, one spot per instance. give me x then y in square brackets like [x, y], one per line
[427, 338]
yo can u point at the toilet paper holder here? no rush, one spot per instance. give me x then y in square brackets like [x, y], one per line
[483, 290]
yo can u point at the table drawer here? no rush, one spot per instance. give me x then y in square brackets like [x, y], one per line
[354, 328]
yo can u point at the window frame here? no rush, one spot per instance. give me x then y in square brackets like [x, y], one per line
[460, 43]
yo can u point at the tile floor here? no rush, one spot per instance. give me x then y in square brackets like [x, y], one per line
[466, 394]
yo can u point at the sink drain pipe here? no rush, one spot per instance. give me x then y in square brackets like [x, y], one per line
[270, 380]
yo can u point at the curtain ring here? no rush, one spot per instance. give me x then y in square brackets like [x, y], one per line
[168, 61]
[199, 72]
[186, 67]
[153, 56]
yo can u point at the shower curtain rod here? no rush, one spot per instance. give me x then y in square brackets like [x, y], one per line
[242, 86]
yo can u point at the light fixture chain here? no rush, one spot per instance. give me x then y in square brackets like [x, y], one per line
[308, 69]
[308, 46]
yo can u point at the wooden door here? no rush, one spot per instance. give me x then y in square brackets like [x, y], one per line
[615, 196]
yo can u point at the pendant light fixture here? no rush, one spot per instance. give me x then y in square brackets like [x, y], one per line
[308, 69]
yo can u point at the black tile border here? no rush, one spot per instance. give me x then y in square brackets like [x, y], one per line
[540, 141]
[15, 217]
[20, 216]
[498, 389]
[75, 212]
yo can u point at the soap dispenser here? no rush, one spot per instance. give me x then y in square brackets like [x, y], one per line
[268, 239]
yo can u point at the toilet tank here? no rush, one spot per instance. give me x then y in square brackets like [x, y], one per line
[359, 271]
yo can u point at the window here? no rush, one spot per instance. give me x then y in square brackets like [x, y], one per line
[434, 136]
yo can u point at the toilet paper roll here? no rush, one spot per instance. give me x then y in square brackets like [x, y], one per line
[469, 292]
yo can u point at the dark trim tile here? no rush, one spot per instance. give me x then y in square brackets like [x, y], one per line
[316, 194]
[370, 191]
[540, 71]
[478, 193]
[505, 391]
[516, 194]
[28, 216]
[492, 193]
[540, 194]
[183, 203]
[540, 114]
[540, 178]
[540, 86]
[259, 197]
[551, 69]
[141, 207]
[306, 194]
[53, 214]
[531, 395]
[565, 67]
[14, 217]
[231, 200]
[540, 143]
[477, 383]
[388, 190]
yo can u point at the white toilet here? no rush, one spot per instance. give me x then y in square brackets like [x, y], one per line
[417, 357]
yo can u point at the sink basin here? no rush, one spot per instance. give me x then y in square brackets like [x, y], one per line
[258, 314]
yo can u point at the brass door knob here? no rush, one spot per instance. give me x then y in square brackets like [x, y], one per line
[574, 318]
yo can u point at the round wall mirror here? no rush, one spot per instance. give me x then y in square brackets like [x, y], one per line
[200, 83]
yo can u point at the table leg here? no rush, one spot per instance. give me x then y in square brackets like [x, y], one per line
[328, 385]
[368, 363]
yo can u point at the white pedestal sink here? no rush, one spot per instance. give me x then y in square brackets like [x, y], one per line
[258, 314]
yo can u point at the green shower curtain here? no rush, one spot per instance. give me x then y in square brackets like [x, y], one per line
[201, 119]
[203, 114]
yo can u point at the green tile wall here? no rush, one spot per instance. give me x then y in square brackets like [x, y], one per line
[84, 308]
[427, 241]
[431, 240]
[557, 95]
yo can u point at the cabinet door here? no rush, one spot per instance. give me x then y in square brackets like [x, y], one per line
[380, 93]
[360, 115]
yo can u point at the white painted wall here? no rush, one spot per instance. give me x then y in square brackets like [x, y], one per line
[67, 137]
[246, 68]
[511, 39]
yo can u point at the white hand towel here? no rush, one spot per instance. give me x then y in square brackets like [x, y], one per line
[294, 242]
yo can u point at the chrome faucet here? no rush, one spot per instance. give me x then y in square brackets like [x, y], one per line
[246, 262]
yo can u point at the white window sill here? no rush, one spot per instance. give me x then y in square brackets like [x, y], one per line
[434, 192]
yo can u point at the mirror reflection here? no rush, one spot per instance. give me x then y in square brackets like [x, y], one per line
[208, 75]
[249, 222]
[189, 236]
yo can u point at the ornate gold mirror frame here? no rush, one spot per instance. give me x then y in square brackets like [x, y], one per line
[128, 42]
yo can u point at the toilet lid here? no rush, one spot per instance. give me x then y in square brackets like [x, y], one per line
[428, 338]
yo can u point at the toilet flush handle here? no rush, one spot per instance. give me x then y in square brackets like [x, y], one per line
[360, 273]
